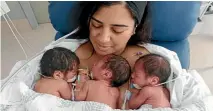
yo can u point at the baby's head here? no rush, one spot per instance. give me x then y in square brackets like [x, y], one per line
[112, 68]
[151, 70]
[59, 63]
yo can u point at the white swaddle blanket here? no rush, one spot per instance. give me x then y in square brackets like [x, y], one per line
[188, 92]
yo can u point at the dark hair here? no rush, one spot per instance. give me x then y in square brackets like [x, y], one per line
[121, 70]
[58, 58]
[142, 31]
[156, 65]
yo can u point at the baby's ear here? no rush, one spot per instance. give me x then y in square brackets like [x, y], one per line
[107, 74]
[154, 80]
[58, 75]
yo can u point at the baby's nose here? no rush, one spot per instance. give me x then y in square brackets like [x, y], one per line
[132, 76]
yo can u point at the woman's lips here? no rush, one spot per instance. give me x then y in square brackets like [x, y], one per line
[103, 47]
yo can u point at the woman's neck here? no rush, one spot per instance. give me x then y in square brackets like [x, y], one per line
[101, 56]
[120, 52]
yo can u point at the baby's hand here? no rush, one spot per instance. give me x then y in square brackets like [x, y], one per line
[83, 78]
[83, 71]
[133, 90]
[70, 85]
[79, 86]
[83, 75]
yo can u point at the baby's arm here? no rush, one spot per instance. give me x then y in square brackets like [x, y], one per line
[116, 94]
[64, 90]
[80, 95]
[138, 98]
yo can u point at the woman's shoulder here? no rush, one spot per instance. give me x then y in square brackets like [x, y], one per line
[132, 50]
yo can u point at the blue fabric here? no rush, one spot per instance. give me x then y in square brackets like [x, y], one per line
[171, 22]
[64, 16]
[181, 47]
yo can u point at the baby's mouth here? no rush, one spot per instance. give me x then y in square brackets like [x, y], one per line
[132, 81]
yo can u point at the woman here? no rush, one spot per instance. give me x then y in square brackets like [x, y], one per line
[111, 28]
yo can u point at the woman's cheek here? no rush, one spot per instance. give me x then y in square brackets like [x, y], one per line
[94, 31]
[124, 37]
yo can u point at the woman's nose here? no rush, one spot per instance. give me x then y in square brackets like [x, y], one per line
[105, 35]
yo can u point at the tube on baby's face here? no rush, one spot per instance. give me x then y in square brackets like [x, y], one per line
[136, 86]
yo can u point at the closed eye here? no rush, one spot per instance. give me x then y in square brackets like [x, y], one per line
[96, 25]
[119, 29]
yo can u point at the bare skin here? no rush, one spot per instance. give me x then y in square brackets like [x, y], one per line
[155, 96]
[85, 50]
[59, 88]
[98, 91]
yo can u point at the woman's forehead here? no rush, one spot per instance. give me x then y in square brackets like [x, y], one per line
[115, 14]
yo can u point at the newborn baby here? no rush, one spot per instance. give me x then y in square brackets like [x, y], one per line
[58, 67]
[149, 72]
[108, 74]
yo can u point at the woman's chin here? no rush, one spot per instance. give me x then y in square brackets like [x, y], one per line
[102, 52]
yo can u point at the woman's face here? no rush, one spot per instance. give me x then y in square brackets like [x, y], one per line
[110, 29]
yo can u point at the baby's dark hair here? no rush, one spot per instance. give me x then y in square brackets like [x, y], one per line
[156, 65]
[58, 58]
[121, 70]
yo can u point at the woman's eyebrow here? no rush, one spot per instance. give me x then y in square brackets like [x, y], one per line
[96, 20]
[119, 25]
[116, 25]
